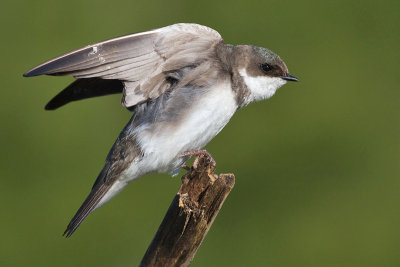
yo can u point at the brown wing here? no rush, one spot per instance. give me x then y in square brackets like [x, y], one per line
[141, 61]
[123, 152]
[86, 208]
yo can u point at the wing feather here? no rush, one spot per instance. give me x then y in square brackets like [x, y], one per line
[136, 59]
[86, 208]
[121, 155]
[85, 88]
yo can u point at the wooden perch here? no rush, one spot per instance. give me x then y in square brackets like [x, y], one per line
[189, 217]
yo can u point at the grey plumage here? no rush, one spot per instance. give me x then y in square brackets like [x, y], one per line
[140, 60]
[182, 83]
[164, 110]
[123, 152]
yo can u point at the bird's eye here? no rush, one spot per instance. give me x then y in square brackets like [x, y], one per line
[266, 67]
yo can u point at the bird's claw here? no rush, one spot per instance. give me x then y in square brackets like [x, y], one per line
[199, 153]
[186, 168]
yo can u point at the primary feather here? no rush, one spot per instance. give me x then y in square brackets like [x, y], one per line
[139, 60]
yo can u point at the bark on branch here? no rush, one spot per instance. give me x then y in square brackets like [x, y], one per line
[189, 217]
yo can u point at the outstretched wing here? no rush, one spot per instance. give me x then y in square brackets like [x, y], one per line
[141, 61]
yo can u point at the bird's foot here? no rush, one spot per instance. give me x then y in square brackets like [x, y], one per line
[186, 168]
[199, 153]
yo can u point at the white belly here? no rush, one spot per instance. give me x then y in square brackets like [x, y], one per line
[164, 144]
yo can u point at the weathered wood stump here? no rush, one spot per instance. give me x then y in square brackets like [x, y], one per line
[189, 216]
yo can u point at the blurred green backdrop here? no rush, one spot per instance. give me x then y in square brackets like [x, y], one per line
[317, 166]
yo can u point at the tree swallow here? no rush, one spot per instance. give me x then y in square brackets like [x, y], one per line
[182, 84]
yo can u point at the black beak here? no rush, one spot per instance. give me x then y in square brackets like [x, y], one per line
[290, 78]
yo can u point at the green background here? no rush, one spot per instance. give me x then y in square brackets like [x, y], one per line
[317, 166]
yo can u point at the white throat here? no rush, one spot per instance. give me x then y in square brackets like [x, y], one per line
[261, 87]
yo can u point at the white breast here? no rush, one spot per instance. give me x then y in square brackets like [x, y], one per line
[202, 122]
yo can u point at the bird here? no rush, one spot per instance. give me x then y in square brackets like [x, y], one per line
[182, 83]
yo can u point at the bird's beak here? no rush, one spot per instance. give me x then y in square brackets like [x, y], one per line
[290, 78]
